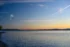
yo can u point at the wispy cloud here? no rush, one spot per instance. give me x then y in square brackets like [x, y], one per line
[4, 12]
[26, 0]
[38, 0]
[61, 10]
[11, 16]
[41, 5]
[38, 20]
[2, 2]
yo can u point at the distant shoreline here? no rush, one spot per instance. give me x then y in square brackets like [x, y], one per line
[34, 29]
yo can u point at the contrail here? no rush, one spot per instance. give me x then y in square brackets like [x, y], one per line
[66, 7]
[61, 9]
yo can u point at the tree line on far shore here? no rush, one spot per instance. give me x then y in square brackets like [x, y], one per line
[0, 27]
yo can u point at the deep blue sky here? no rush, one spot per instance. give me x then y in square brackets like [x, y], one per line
[35, 14]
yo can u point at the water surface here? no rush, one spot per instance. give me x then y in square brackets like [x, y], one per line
[37, 38]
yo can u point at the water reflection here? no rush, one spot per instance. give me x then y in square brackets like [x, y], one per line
[37, 39]
[2, 44]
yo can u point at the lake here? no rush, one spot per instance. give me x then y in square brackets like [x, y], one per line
[37, 38]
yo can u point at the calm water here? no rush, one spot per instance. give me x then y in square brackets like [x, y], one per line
[37, 38]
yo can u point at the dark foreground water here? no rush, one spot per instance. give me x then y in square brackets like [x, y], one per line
[37, 38]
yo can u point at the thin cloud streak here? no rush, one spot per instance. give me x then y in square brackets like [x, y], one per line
[39, 20]
[1, 3]
[4, 12]
[61, 10]
[9, 1]
[41, 5]
[66, 7]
